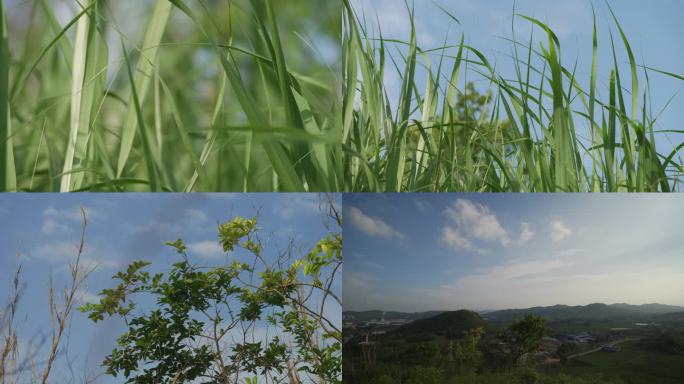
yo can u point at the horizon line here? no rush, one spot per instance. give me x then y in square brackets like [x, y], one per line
[509, 308]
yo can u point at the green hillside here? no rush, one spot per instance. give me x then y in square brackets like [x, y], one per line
[633, 365]
[450, 324]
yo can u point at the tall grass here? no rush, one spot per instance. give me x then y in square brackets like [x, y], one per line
[530, 138]
[33, 363]
[213, 96]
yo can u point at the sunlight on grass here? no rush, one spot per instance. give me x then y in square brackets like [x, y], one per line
[542, 130]
[198, 96]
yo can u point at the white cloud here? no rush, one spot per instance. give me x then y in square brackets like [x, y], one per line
[63, 220]
[71, 214]
[372, 226]
[453, 238]
[510, 285]
[157, 227]
[571, 252]
[526, 233]
[51, 226]
[477, 221]
[422, 205]
[556, 281]
[63, 252]
[520, 270]
[196, 215]
[559, 231]
[56, 253]
[300, 203]
[84, 296]
[206, 249]
[166, 226]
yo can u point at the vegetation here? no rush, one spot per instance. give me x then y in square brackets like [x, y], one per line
[448, 324]
[266, 318]
[203, 325]
[523, 135]
[523, 337]
[24, 368]
[633, 365]
[669, 342]
[444, 348]
[214, 96]
[462, 347]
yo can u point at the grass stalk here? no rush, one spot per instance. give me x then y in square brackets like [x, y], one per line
[525, 133]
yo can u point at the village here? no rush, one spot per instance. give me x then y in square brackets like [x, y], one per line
[554, 348]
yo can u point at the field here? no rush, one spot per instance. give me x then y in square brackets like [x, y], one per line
[632, 364]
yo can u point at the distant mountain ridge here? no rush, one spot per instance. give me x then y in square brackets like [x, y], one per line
[595, 311]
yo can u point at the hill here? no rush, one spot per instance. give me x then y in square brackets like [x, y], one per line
[453, 323]
[674, 317]
[595, 311]
[651, 309]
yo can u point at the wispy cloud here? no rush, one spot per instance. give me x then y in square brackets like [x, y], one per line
[196, 215]
[372, 226]
[524, 284]
[51, 226]
[560, 250]
[61, 253]
[453, 238]
[84, 296]
[421, 204]
[300, 203]
[170, 225]
[526, 233]
[65, 220]
[559, 231]
[206, 249]
[477, 221]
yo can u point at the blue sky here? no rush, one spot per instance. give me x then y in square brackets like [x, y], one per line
[45, 230]
[654, 31]
[417, 252]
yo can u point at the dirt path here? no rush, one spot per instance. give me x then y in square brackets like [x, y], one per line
[612, 344]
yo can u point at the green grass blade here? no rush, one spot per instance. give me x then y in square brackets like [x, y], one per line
[77, 100]
[7, 167]
[150, 154]
[281, 163]
[143, 76]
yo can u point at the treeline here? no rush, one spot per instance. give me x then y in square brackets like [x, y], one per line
[475, 356]
[670, 342]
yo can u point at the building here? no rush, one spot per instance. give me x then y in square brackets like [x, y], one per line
[610, 348]
[584, 337]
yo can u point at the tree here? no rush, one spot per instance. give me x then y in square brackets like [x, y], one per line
[472, 133]
[199, 331]
[524, 336]
[466, 353]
